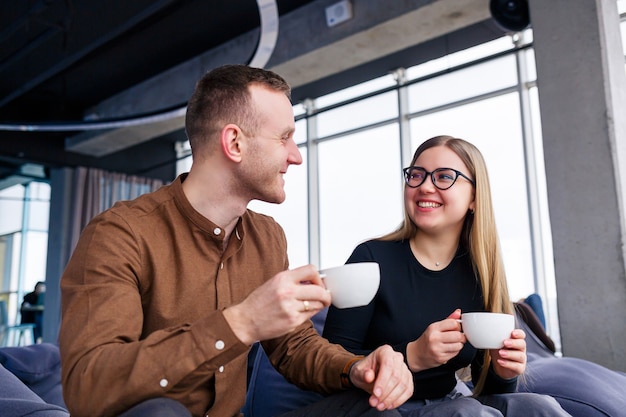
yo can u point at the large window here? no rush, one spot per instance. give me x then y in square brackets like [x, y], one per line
[355, 142]
[485, 95]
[494, 126]
[24, 212]
[359, 190]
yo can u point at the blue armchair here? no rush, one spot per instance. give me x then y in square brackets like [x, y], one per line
[583, 388]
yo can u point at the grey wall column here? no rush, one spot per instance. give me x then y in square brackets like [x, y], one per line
[582, 91]
[58, 249]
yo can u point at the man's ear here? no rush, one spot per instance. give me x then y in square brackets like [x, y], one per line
[230, 140]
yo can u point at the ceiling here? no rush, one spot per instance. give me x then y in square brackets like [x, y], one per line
[59, 58]
[66, 64]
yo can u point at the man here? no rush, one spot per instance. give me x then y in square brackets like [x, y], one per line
[32, 309]
[164, 295]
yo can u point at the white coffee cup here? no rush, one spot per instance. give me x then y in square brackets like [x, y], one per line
[352, 285]
[486, 330]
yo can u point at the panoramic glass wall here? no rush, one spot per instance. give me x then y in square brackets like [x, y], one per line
[355, 141]
[356, 147]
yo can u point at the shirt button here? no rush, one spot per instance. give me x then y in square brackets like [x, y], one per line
[221, 369]
[163, 383]
[219, 345]
[217, 231]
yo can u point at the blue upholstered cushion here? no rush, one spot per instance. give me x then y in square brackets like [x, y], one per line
[583, 388]
[269, 394]
[17, 400]
[38, 367]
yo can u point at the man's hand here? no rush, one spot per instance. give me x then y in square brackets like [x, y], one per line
[279, 306]
[383, 374]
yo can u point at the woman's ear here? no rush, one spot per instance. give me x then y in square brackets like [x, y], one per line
[230, 140]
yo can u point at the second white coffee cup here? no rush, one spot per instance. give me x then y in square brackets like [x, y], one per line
[486, 330]
[352, 285]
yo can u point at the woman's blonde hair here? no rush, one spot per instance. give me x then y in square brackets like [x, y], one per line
[479, 234]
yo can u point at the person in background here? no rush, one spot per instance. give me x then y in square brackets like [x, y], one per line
[443, 260]
[31, 309]
[164, 295]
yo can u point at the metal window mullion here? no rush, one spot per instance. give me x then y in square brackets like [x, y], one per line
[463, 102]
[404, 125]
[532, 187]
[23, 241]
[313, 183]
[356, 130]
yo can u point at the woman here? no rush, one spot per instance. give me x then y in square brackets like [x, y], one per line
[443, 260]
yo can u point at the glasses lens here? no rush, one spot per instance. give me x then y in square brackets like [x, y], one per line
[444, 178]
[414, 176]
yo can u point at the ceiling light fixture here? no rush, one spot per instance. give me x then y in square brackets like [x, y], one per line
[268, 11]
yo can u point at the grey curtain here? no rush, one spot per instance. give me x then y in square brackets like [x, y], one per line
[77, 196]
[95, 190]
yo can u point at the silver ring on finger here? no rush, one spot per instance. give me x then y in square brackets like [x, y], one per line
[306, 305]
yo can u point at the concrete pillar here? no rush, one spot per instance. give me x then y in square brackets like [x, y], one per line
[582, 91]
[58, 249]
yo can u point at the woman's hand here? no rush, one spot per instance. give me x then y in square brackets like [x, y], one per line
[440, 342]
[510, 361]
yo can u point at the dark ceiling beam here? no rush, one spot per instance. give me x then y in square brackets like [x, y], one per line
[307, 51]
[81, 53]
[23, 20]
[31, 46]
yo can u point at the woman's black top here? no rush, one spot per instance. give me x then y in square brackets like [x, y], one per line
[409, 299]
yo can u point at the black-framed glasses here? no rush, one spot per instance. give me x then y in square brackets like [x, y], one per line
[442, 178]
